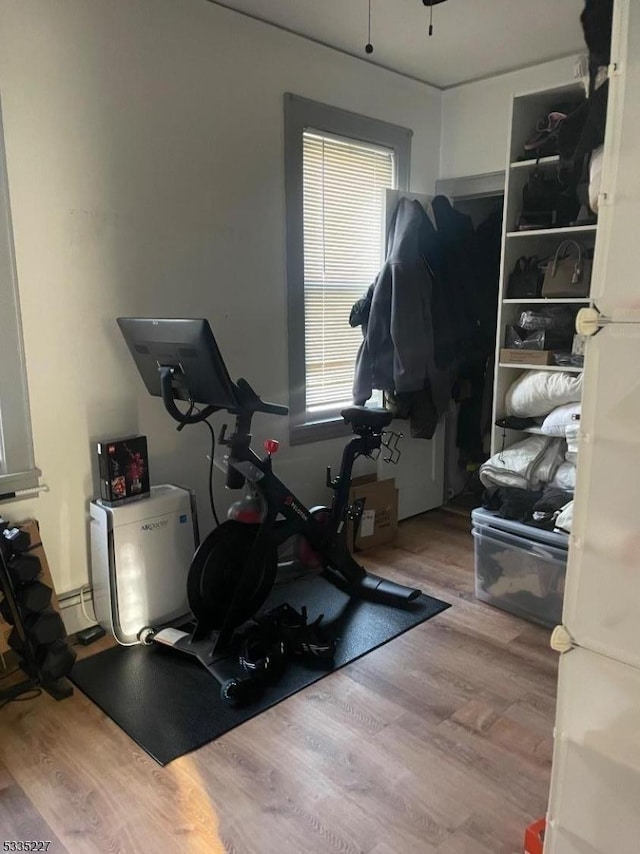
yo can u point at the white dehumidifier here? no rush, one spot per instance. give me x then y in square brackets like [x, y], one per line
[140, 557]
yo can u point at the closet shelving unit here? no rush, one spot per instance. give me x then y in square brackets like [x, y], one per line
[526, 110]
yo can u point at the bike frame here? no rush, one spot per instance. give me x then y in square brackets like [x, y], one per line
[328, 539]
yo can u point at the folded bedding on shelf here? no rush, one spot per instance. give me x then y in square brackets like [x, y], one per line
[537, 393]
[564, 520]
[572, 437]
[525, 465]
[565, 477]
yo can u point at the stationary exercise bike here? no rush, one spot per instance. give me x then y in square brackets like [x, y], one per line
[235, 566]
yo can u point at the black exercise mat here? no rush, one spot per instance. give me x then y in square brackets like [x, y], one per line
[170, 705]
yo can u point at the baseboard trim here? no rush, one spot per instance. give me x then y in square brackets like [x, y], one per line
[71, 609]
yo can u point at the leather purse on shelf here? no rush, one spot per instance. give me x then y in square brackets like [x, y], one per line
[525, 280]
[568, 273]
[547, 202]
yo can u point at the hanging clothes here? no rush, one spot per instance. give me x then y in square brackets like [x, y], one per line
[475, 407]
[407, 346]
[488, 243]
[458, 251]
[429, 319]
[464, 261]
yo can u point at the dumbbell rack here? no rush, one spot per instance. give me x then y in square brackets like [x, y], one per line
[59, 689]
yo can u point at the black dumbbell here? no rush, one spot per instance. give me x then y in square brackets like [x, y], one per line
[55, 661]
[33, 596]
[15, 541]
[5, 612]
[15, 642]
[23, 568]
[41, 629]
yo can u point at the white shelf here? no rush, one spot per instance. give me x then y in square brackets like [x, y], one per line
[526, 367]
[526, 110]
[544, 161]
[554, 232]
[549, 301]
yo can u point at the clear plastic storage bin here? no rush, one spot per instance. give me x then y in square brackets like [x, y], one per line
[521, 570]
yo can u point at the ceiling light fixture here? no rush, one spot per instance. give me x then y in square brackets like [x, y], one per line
[368, 48]
[431, 4]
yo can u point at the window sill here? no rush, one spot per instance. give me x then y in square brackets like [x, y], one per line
[318, 431]
[20, 485]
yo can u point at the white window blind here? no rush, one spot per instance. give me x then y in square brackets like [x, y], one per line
[343, 194]
[17, 468]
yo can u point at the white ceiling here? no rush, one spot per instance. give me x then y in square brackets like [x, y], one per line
[472, 38]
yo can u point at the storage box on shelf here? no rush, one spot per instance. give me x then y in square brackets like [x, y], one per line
[539, 358]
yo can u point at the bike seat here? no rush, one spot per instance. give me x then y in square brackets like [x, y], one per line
[362, 416]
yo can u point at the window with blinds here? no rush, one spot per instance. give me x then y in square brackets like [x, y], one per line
[343, 207]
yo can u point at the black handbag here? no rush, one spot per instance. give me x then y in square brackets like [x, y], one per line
[547, 202]
[525, 280]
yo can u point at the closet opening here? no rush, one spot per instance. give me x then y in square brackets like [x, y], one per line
[468, 424]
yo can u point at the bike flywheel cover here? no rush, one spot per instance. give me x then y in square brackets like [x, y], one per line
[220, 565]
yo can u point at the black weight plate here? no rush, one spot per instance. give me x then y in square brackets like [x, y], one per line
[217, 568]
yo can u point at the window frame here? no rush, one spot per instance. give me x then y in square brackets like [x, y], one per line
[301, 114]
[17, 467]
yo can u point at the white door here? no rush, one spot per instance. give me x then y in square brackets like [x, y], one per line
[419, 473]
[602, 599]
[595, 791]
[602, 595]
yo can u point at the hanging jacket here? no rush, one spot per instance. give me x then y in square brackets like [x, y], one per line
[398, 351]
[457, 240]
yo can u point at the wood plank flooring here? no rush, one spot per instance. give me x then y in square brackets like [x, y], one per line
[439, 741]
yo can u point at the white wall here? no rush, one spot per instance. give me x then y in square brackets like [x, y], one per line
[475, 117]
[145, 157]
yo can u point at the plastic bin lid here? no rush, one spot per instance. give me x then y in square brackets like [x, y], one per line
[489, 518]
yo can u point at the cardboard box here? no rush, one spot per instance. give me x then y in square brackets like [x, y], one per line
[526, 357]
[31, 527]
[379, 522]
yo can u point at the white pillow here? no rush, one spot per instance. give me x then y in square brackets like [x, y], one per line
[565, 477]
[536, 393]
[595, 177]
[557, 421]
[564, 520]
[572, 435]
